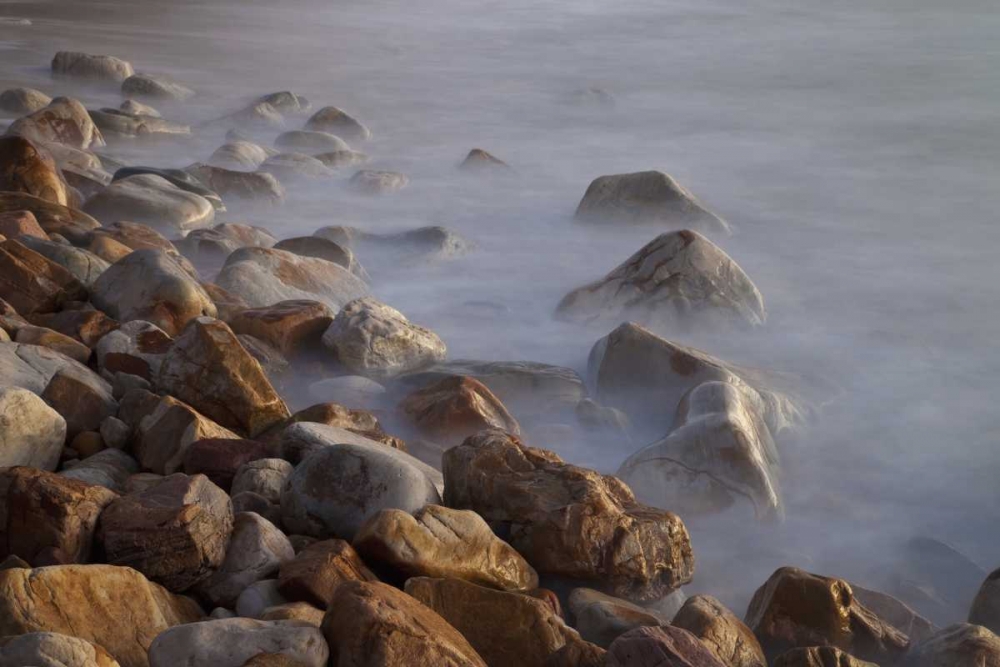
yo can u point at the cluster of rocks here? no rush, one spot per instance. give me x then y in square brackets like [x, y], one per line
[161, 504]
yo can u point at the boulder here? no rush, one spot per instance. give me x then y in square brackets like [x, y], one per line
[84, 404]
[115, 123]
[30, 282]
[32, 335]
[85, 266]
[441, 542]
[136, 108]
[63, 121]
[338, 122]
[165, 434]
[290, 167]
[342, 159]
[141, 237]
[86, 66]
[480, 160]
[135, 348]
[231, 642]
[986, 606]
[26, 168]
[109, 468]
[51, 649]
[286, 102]
[959, 644]
[151, 200]
[662, 646]
[21, 223]
[33, 434]
[569, 522]
[359, 422]
[219, 459]
[819, 656]
[239, 155]
[726, 636]
[256, 187]
[310, 142]
[376, 625]
[32, 367]
[51, 217]
[601, 618]
[896, 613]
[578, 654]
[90, 602]
[370, 182]
[258, 597]
[175, 532]
[177, 177]
[646, 197]
[315, 246]
[216, 244]
[148, 285]
[158, 87]
[293, 327]
[315, 572]
[422, 243]
[265, 477]
[678, 277]
[294, 611]
[504, 628]
[258, 116]
[455, 408]
[86, 326]
[21, 101]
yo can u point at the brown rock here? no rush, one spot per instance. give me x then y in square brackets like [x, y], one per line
[26, 168]
[87, 443]
[74, 349]
[578, 654]
[168, 430]
[956, 646]
[316, 571]
[796, 609]
[175, 532]
[442, 542]
[726, 636]
[294, 611]
[376, 625]
[601, 618]
[32, 283]
[220, 458]
[456, 407]
[16, 223]
[478, 159]
[86, 326]
[226, 303]
[142, 237]
[291, 326]
[338, 122]
[986, 607]
[47, 519]
[254, 186]
[662, 646]
[569, 522]
[107, 248]
[63, 121]
[84, 405]
[321, 248]
[361, 422]
[51, 217]
[819, 656]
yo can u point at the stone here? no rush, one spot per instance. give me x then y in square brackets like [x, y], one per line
[265, 477]
[117, 124]
[248, 501]
[294, 611]
[985, 609]
[420, 244]
[286, 102]
[47, 519]
[115, 433]
[360, 422]
[33, 434]
[255, 187]
[310, 142]
[158, 87]
[504, 628]
[441, 542]
[896, 613]
[273, 660]
[219, 459]
[238, 155]
[342, 159]
[87, 443]
[370, 338]
[86, 66]
[24, 167]
[567, 521]
[135, 348]
[109, 468]
[85, 266]
[959, 644]
[293, 327]
[264, 277]
[169, 430]
[148, 285]
[662, 646]
[32, 335]
[601, 618]
[337, 488]
[726, 636]
[21, 223]
[51, 649]
[288, 167]
[338, 122]
[142, 237]
[21, 101]
[90, 602]
[32, 283]
[231, 642]
[455, 408]
[256, 551]
[480, 160]
[63, 121]
[577, 654]
[315, 246]
[178, 177]
[819, 656]
[370, 182]
[646, 197]
[257, 597]
[86, 326]
[258, 116]
[32, 367]
[677, 278]
[136, 108]
[175, 532]
[51, 217]
[83, 404]
[315, 572]
[151, 200]
[376, 625]
[796, 609]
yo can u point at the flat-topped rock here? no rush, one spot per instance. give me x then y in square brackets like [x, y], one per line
[151, 200]
[87, 66]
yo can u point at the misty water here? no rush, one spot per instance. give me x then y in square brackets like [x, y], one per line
[853, 146]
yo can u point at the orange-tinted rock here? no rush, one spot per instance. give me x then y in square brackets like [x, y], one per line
[32, 283]
[819, 656]
[456, 407]
[659, 647]
[15, 223]
[25, 168]
[291, 326]
[84, 405]
[86, 326]
[726, 636]
[316, 571]
[137, 236]
[54, 218]
[107, 248]
[166, 430]
[63, 121]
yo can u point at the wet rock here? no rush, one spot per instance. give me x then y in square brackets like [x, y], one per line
[175, 532]
[370, 338]
[646, 197]
[83, 403]
[86, 66]
[455, 408]
[315, 572]
[115, 123]
[728, 638]
[310, 142]
[50, 649]
[265, 477]
[109, 468]
[480, 160]
[32, 335]
[959, 644]
[90, 602]
[257, 187]
[239, 155]
[338, 122]
[165, 434]
[294, 327]
[17, 223]
[231, 642]
[136, 108]
[177, 177]
[664, 645]
[48, 519]
[149, 85]
[148, 285]
[796, 609]
[442, 542]
[426, 243]
[51, 217]
[289, 167]
[314, 246]
[372, 182]
[601, 618]
[209, 369]
[986, 606]
[286, 102]
[24, 167]
[376, 625]
[567, 521]
[33, 434]
[85, 266]
[819, 656]
[63, 121]
[30, 282]
[151, 200]
[20, 101]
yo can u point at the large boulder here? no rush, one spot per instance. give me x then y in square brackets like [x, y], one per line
[646, 197]
[51, 649]
[456, 407]
[677, 277]
[315, 572]
[20, 101]
[87, 66]
[26, 168]
[265, 477]
[264, 277]
[32, 335]
[30, 282]
[601, 618]
[662, 646]
[726, 636]
[370, 338]
[376, 625]
[315, 246]
[569, 522]
[359, 422]
[505, 628]
[92, 602]
[32, 433]
[47, 519]
[256, 187]
[895, 612]
[209, 369]
[149, 85]
[136, 236]
[86, 326]
[151, 200]
[819, 656]
[148, 285]
[63, 121]
[338, 122]
[175, 532]
[216, 243]
[16, 223]
[985, 609]
[957, 645]
[231, 642]
[441, 542]
[136, 348]
[293, 327]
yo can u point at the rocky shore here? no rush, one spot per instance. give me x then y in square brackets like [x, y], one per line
[161, 503]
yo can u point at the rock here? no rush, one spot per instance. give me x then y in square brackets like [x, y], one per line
[32, 367]
[455, 408]
[257, 597]
[86, 326]
[216, 244]
[676, 277]
[376, 625]
[728, 638]
[796, 609]
[175, 532]
[338, 122]
[219, 459]
[231, 642]
[335, 489]
[288, 167]
[273, 660]
[986, 606]
[18, 223]
[294, 611]
[265, 477]
[142, 237]
[259, 116]
[293, 327]
[50, 649]
[819, 656]
[663, 645]
[315, 572]
[257, 187]
[359, 422]
[342, 159]
[286, 102]
[90, 602]
[87, 443]
[504, 628]
[959, 644]
[275, 365]
[20, 101]
[165, 434]
[33, 283]
[151, 200]
[248, 501]
[577, 654]
[314, 246]
[310, 142]
[32, 335]
[264, 277]
[601, 618]
[422, 243]
[51, 217]
[148, 85]
[567, 521]
[177, 177]
[256, 550]
[24, 167]
[85, 266]
[48, 519]
[480, 160]
[136, 108]
[109, 468]
[135, 348]
[83, 403]
[894, 612]
[33, 434]
[116, 433]
[348, 389]
[446, 543]
[239, 155]
[646, 197]
[86, 66]
[63, 121]
[372, 182]
[115, 123]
